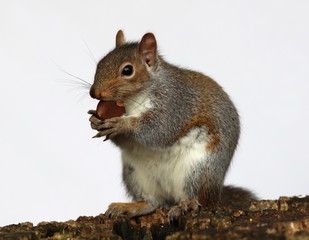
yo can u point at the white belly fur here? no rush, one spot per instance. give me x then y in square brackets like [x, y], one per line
[162, 172]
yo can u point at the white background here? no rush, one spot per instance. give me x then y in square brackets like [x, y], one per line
[51, 168]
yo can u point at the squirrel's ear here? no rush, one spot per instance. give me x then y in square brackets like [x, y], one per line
[148, 48]
[120, 40]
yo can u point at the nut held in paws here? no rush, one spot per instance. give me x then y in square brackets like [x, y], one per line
[107, 109]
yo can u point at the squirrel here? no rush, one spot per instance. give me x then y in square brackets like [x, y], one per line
[178, 135]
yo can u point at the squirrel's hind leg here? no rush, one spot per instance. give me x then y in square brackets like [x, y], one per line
[129, 209]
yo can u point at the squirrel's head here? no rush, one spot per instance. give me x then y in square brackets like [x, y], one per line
[125, 70]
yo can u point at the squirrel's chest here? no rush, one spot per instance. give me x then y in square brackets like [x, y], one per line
[163, 172]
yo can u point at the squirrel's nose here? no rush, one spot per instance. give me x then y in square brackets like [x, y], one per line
[95, 93]
[99, 93]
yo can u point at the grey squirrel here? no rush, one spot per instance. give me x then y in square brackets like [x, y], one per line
[178, 135]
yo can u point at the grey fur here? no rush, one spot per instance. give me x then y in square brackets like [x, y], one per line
[174, 104]
[176, 95]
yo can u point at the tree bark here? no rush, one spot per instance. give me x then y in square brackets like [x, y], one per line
[286, 218]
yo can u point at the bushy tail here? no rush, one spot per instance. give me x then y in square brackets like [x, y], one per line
[237, 197]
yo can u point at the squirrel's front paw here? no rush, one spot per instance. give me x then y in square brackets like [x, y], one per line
[95, 120]
[109, 127]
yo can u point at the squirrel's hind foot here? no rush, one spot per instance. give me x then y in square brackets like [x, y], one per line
[175, 212]
[128, 209]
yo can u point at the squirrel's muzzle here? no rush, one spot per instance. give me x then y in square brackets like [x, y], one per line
[100, 93]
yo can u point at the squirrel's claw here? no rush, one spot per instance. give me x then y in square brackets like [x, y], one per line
[110, 136]
[175, 212]
[92, 112]
[109, 128]
[106, 132]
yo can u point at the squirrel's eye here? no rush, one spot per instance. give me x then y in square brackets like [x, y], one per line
[127, 70]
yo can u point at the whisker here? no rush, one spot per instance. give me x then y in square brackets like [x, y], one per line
[82, 80]
[71, 82]
[90, 52]
[72, 75]
[82, 96]
[77, 86]
[79, 92]
[78, 89]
